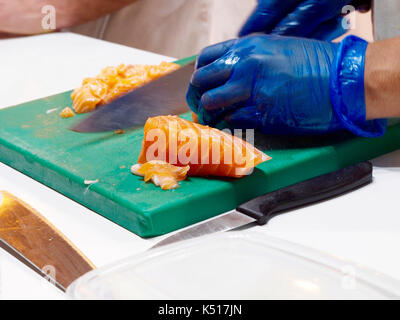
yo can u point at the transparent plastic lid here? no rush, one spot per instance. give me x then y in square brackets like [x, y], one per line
[234, 265]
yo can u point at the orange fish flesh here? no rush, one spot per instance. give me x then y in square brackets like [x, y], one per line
[115, 81]
[161, 173]
[208, 151]
[67, 113]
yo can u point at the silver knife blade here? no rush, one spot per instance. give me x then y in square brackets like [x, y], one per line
[225, 222]
[269, 205]
[16, 254]
[163, 96]
[32, 239]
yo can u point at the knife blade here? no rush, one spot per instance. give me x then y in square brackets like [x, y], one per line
[262, 209]
[163, 96]
[28, 236]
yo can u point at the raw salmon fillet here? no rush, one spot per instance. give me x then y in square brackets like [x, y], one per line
[208, 151]
[115, 81]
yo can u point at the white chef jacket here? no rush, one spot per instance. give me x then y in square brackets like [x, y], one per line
[386, 16]
[176, 28]
[180, 28]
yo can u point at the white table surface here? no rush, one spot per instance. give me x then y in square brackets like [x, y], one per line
[363, 226]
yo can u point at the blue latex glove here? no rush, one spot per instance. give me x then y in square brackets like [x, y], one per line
[318, 19]
[283, 85]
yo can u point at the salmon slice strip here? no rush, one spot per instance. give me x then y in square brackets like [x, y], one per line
[161, 173]
[112, 82]
[208, 151]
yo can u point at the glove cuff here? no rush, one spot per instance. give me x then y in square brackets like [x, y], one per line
[347, 89]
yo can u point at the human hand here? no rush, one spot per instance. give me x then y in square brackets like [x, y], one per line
[321, 19]
[283, 85]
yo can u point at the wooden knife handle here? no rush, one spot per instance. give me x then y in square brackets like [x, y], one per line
[33, 240]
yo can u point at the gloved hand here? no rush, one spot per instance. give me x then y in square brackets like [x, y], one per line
[318, 19]
[283, 85]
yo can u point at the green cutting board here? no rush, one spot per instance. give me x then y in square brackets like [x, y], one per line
[38, 143]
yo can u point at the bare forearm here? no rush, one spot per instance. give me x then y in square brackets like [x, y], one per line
[382, 79]
[25, 16]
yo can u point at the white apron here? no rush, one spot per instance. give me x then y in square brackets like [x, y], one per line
[176, 28]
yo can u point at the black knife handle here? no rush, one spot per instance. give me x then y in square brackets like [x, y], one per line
[307, 192]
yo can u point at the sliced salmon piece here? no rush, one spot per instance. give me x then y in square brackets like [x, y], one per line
[161, 173]
[208, 151]
[115, 81]
[67, 113]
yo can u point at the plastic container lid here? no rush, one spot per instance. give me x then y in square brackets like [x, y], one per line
[234, 265]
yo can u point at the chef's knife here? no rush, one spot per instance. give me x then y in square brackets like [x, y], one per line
[260, 210]
[33, 240]
[163, 96]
